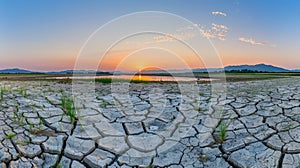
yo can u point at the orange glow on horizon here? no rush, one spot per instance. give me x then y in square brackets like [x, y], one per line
[151, 59]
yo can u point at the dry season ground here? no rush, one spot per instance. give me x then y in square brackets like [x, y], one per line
[248, 124]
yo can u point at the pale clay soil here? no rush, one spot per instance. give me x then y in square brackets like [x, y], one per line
[240, 124]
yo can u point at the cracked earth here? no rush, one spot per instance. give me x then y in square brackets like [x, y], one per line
[250, 124]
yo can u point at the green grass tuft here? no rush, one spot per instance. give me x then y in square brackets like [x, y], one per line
[16, 110]
[1, 94]
[2, 90]
[222, 129]
[10, 135]
[23, 91]
[110, 80]
[69, 107]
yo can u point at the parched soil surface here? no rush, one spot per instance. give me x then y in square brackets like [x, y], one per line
[239, 124]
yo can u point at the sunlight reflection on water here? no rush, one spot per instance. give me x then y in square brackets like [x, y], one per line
[140, 77]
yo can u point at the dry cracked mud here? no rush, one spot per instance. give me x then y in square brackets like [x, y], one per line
[250, 124]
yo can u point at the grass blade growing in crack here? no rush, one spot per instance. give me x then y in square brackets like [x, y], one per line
[2, 90]
[10, 136]
[1, 94]
[23, 91]
[69, 107]
[222, 129]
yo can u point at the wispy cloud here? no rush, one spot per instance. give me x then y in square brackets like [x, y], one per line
[251, 41]
[172, 37]
[215, 31]
[219, 13]
[183, 33]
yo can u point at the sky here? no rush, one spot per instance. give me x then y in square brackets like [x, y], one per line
[48, 35]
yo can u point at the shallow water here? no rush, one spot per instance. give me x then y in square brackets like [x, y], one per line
[140, 77]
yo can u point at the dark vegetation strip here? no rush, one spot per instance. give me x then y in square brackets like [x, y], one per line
[229, 77]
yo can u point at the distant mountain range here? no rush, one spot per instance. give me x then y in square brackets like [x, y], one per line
[257, 67]
[16, 71]
[237, 68]
[23, 71]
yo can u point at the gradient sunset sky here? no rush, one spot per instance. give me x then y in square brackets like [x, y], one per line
[47, 35]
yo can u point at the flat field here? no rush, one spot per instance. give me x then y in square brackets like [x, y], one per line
[253, 123]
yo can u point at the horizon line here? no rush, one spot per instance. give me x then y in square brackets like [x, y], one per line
[60, 70]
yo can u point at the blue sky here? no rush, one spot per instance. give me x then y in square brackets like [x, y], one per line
[48, 34]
